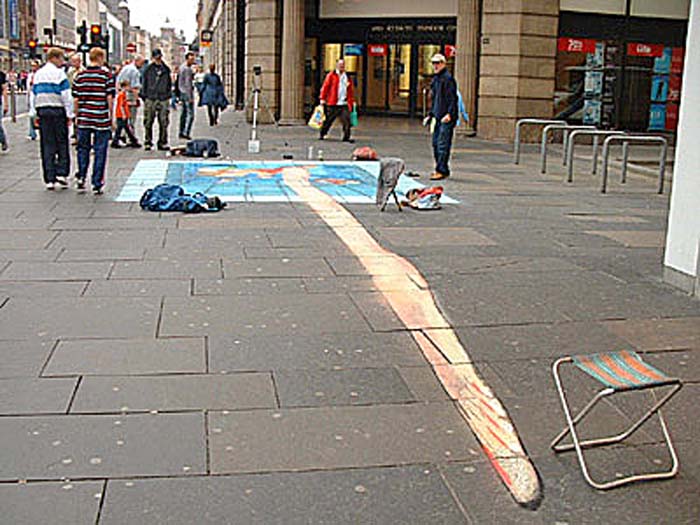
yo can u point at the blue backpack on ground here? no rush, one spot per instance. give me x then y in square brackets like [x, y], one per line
[170, 197]
[206, 148]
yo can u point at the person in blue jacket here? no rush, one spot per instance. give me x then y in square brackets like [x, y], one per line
[213, 95]
[445, 112]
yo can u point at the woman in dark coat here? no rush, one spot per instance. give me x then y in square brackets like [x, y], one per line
[213, 95]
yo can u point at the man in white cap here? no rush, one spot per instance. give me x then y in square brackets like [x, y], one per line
[445, 112]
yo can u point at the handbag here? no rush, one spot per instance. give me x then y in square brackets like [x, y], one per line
[318, 117]
[353, 116]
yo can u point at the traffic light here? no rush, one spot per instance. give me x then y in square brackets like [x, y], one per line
[82, 31]
[96, 35]
[32, 47]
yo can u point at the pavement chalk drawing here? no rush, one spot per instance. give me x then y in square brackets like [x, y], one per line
[346, 182]
[415, 305]
[325, 187]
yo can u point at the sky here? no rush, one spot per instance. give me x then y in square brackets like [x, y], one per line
[151, 15]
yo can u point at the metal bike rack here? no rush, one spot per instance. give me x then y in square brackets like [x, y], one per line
[545, 135]
[528, 121]
[637, 139]
[596, 134]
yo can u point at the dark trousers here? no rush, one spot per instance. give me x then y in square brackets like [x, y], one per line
[442, 146]
[55, 158]
[213, 112]
[186, 116]
[332, 112]
[153, 109]
[90, 139]
[124, 126]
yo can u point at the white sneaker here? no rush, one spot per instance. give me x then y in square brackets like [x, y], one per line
[50, 186]
[62, 182]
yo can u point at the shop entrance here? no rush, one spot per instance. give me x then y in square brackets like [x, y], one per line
[389, 78]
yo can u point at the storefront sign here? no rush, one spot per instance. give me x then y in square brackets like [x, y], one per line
[674, 88]
[645, 50]
[450, 51]
[352, 50]
[577, 45]
[677, 57]
[14, 19]
[657, 117]
[671, 117]
[378, 50]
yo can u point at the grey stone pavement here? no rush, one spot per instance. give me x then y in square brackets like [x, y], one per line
[241, 367]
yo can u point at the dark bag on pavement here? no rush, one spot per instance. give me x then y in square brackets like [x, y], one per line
[206, 148]
[171, 197]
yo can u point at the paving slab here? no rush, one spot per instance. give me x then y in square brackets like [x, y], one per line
[249, 286]
[284, 267]
[115, 223]
[337, 437]
[434, 236]
[382, 283]
[423, 383]
[82, 317]
[500, 343]
[200, 254]
[68, 255]
[35, 396]
[272, 315]
[127, 357]
[42, 288]
[414, 494]
[25, 240]
[304, 252]
[635, 239]
[24, 358]
[320, 351]
[316, 238]
[139, 288]
[215, 240]
[45, 271]
[319, 388]
[49, 255]
[59, 447]
[69, 503]
[659, 334]
[118, 240]
[172, 269]
[232, 221]
[172, 393]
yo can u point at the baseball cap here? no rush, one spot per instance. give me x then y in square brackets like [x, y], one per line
[438, 57]
[157, 53]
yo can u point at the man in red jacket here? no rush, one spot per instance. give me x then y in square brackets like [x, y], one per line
[337, 99]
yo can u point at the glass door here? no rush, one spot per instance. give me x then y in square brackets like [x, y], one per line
[376, 79]
[399, 80]
[352, 54]
[425, 76]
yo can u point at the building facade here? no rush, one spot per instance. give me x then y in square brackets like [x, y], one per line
[612, 63]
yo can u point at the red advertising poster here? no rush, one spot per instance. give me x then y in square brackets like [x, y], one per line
[677, 58]
[450, 51]
[378, 50]
[674, 88]
[671, 117]
[576, 45]
[645, 50]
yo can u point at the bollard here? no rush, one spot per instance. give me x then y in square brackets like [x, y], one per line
[522, 122]
[640, 139]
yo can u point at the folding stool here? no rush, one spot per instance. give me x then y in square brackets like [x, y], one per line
[622, 371]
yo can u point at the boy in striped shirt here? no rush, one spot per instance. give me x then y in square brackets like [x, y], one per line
[93, 91]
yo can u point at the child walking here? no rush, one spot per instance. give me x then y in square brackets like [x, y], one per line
[122, 112]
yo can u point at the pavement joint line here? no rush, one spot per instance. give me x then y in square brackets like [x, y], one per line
[101, 504]
[160, 320]
[48, 358]
[73, 394]
[57, 234]
[206, 353]
[207, 446]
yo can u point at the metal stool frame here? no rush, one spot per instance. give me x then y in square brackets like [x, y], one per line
[579, 445]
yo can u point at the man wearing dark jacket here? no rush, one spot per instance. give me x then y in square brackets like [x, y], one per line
[445, 113]
[156, 90]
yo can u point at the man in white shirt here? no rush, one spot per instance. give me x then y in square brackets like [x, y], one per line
[52, 103]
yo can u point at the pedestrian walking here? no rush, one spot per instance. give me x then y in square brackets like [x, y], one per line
[52, 104]
[444, 113]
[30, 83]
[132, 73]
[155, 92]
[213, 95]
[121, 113]
[185, 84]
[93, 90]
[4, 105]
[337, 98]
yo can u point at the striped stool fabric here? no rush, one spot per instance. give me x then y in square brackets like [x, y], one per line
[623, 370]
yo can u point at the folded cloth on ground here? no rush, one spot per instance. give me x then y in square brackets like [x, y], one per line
[171, 197]
[424, 199]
